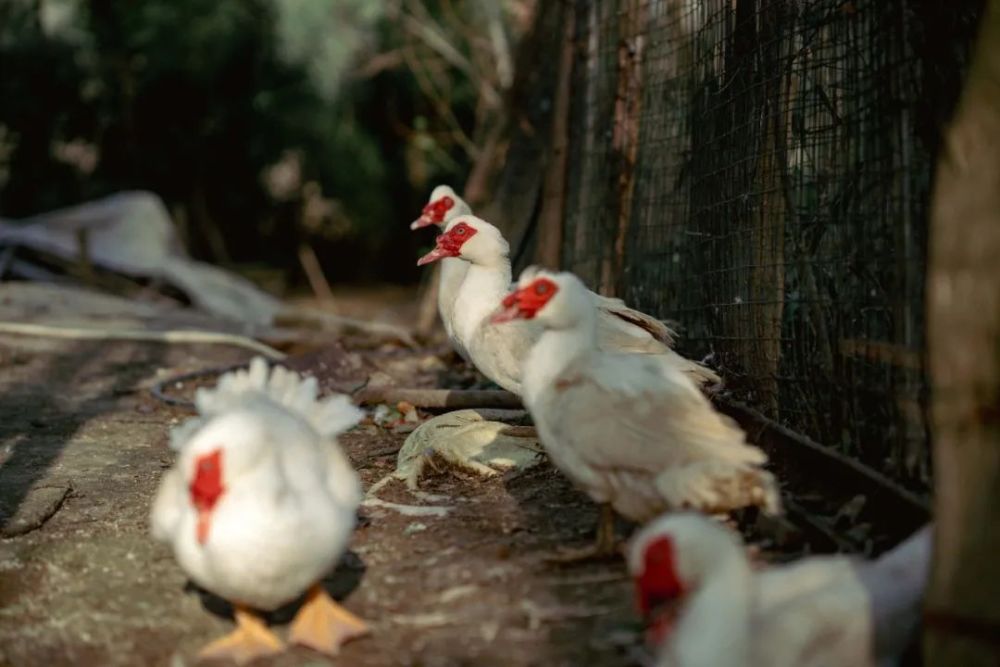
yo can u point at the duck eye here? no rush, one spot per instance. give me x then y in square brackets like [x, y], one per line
[541, 288]
[447, 203]
[460, 231]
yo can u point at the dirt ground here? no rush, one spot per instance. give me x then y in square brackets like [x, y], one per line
[83, 447]
[83, 444]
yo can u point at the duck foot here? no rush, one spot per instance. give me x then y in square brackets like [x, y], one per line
[250, 640]
[323, 625]
[605, 547]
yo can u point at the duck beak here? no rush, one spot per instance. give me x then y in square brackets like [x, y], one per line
[509, 309]
[505, 315]
[421, 222]
[434, 255]
[661, 623]
[204, 525]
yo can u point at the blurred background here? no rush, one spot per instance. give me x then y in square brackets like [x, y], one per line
[765, 174]
[271, 128]
[759, 172]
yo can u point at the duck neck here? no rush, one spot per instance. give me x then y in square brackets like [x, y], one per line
[715, 627]
[554, 351]
[452, 273]
[483, 289]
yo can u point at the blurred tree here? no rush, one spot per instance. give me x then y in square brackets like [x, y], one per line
[962, 615]
[203, 101]
[43, 101]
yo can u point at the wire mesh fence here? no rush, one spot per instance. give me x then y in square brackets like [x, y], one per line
[759, 171]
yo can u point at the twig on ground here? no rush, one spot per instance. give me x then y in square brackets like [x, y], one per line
[314, 273]
[440, 398]
[15, 528]
[177, 336]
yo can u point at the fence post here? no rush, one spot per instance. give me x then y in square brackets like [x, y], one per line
[963, 604]
[548, 252]
[527, 144]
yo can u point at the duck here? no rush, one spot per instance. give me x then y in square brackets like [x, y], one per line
[706, 604]
[260, 505]
[633, 431]
[444, 206]
[498, 351]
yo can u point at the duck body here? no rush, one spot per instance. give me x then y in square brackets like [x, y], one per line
[636, 432]
[280, 525]
[632, 430]
[821, 611]
[793, 601]
[260, 504]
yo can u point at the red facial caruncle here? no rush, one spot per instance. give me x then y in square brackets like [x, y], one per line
[449, 244]
[434, 212]
[659, 588]
[205, 490]
[525, 303]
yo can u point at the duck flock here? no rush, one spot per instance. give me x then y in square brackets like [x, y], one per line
[261, 502]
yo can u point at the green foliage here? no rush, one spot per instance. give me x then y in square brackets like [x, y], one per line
[363, 105]
[195, 100]
[41, 100]
[305, 28]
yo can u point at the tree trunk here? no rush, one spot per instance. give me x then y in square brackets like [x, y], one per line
[531, 105]
[548, 248]
[963, 602]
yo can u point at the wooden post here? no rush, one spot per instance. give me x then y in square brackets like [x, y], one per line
[527, 151]
[625, 135]
[963, 602]
[548, 251]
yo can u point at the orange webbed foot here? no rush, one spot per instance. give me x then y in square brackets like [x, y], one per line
[250, 640]
[324, 625]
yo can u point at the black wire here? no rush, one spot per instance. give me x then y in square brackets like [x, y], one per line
[158, 390]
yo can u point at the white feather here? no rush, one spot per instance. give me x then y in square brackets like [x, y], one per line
[633, 430]
[825, 611]
[289, 494]
[288, 389]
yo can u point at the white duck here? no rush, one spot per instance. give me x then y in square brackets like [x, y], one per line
[498, 351]
[706, 605]
[443, 207]
[631, 430]
[260, 505]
